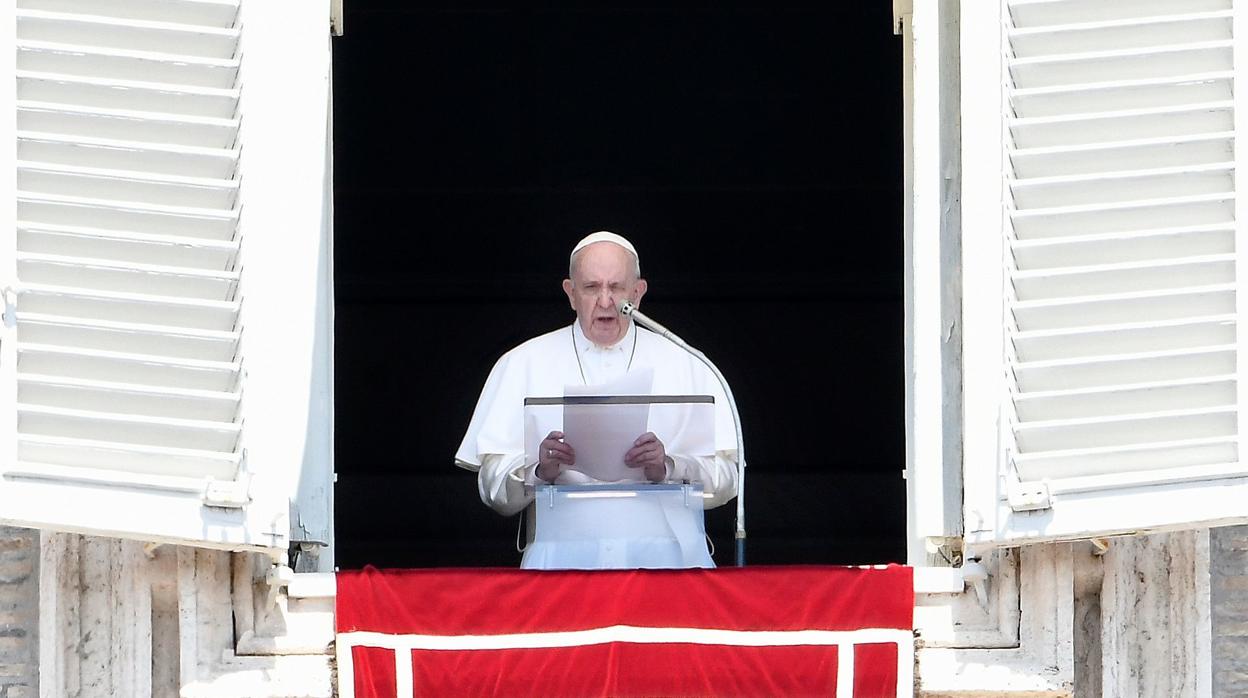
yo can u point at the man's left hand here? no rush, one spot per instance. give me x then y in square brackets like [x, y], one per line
[648, 453]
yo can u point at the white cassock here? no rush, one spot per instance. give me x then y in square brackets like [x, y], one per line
[542, 367]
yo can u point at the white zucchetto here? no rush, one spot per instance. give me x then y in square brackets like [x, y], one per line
[605, 236]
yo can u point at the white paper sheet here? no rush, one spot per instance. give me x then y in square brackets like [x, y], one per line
[602, 434]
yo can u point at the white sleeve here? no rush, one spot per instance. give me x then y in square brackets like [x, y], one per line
[501, 482]
[717, 474]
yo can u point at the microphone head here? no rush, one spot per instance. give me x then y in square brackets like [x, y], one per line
[626, 307]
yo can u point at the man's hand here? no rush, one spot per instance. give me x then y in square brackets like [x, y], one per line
[553, 455]
[648, 453]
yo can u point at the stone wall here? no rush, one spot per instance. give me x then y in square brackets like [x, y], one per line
[1229, 592]
[19, 612]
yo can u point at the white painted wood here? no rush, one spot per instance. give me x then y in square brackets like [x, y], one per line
[1130, 123]
[126, 216]
[8, 275]
[219, 13]
[144, 66]
[983, 278]
[127, 124]
[1031, 13]
[1241, 207]
[1124, 247]
[1120, 354]
[1192, 393]
[932, 466]
[1160, 462]
[106, 153]
[77, 27]
[132, 95]
[287, 336]
[155, 401]
[1124, 64]
[125, 186]
[1119, 34]
[138, 248]
[1113, 187]
[1125, 277]
[1116, 95]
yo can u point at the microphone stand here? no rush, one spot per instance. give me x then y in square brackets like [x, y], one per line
[628, 309]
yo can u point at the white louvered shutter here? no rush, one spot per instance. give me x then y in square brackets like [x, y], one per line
[125, 354]
[1119, 403]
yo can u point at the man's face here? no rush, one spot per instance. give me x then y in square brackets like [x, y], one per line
[604, 274]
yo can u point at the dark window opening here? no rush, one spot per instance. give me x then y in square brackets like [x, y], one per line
[752, 152]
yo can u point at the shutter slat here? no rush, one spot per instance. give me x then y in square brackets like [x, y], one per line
[1124, 125]
[1124, 217]
[51, 209]
[1129, 64]
[1106, 279]
[1038, 13]
[127, 337]
[111, 396]
[213, 13]
[1085, 311]
[131, 307]
[195, 253]
[122, 124]
[1117, 95]
[109, 154]
[1127, 430]
[136, 480]
[1080, 464]
[70, 458]
[1106, 340]
[90, 274]
[137, 369]
[1124, 247]
[120, 64]
[1104, 159]
[127, 187]
[108, 32]
[1121, 34]
[120, 428]
[1115, 187]
[1051, 405]
[128, 95]
[1124, 369]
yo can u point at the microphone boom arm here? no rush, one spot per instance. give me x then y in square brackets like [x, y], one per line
[628, 309]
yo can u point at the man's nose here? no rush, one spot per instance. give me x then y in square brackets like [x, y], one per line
[606, 299]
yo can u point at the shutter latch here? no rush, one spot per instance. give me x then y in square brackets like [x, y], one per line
[229, 494]
[1029, 496]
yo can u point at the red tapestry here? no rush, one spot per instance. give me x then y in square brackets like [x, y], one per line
[842, 632]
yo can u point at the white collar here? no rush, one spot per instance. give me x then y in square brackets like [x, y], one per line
[583, 343]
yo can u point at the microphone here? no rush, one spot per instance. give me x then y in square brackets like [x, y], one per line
[629, 309]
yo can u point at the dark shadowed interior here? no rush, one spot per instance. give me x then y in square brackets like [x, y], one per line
[751, 151]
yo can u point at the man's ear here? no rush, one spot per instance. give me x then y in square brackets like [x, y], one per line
[639, 290]
[567, 288]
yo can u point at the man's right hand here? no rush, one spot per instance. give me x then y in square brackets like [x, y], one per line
[553, 455]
